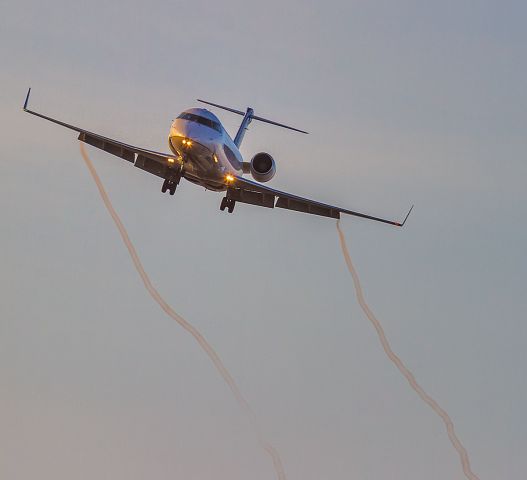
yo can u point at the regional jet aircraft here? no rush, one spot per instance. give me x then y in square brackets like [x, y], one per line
[203, 153]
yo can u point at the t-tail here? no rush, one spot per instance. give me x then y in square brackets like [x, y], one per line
[248, 116]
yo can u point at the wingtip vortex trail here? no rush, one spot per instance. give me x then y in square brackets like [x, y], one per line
[203, 343]
[449, 424]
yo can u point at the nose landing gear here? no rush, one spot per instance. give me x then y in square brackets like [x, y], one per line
[227, 203]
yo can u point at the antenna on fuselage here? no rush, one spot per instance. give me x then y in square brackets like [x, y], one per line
[248, 116]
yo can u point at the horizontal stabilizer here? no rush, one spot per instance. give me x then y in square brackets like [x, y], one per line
[239, 112]
[253, 117]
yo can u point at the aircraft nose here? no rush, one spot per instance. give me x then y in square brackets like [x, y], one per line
[186, 135]
[182, 143]
[186, 145]
[194, 130]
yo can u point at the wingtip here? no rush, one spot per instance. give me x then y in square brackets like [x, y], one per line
[27, 99]
[406, 218]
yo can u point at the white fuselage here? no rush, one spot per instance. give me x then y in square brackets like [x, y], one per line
[206, 149]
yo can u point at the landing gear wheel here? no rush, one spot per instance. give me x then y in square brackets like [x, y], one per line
[169, 185]
[227, 203]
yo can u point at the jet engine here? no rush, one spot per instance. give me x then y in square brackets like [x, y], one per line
[262, 167]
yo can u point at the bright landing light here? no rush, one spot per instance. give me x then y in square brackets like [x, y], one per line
[229, 178]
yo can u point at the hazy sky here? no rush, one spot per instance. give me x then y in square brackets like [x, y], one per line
[407, 102]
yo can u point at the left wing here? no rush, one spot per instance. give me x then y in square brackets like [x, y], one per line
[246, 191]
[153, 162]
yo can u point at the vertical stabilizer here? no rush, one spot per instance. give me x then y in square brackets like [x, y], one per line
[243, 127]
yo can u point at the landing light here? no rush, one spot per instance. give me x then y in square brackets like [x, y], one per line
[170, 160]
[229, 178]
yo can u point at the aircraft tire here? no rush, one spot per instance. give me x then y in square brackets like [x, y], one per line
[223, 204]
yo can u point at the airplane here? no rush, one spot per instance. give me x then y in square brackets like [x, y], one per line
[203, 153]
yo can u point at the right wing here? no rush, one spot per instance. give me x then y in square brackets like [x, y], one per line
[153, 162]
[246, 191]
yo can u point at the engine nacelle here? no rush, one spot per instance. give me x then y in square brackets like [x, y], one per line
[262, 167]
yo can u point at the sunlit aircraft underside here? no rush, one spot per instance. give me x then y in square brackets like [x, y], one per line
[203, 153]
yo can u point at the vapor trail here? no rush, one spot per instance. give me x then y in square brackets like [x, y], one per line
[211, 353]
[463, 455]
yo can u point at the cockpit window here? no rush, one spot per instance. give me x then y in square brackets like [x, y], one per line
[201, 120]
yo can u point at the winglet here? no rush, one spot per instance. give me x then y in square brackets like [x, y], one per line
[27, 99]
[406, 218]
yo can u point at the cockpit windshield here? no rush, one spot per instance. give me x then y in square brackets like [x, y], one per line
[201, 120]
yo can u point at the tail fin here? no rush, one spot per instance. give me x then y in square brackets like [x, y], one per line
[248, 117]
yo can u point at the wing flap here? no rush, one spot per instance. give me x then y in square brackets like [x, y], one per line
[115, 148]
[249, 196]
[306, 207]
[150, 165]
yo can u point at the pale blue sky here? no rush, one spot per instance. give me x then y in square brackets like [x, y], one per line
[407, 102]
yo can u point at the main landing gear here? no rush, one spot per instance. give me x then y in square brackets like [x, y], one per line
[171, 182]
[169, 185]
[227, 203]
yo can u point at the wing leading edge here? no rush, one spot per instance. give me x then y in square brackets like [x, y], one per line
[246, 191]
[153, 162]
